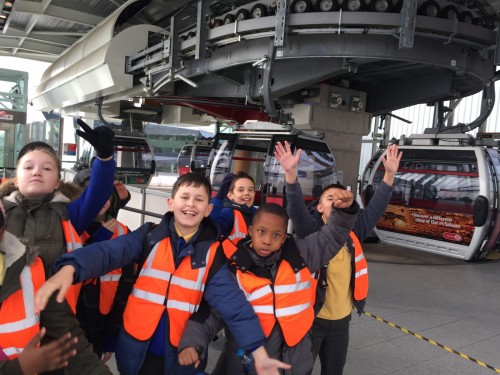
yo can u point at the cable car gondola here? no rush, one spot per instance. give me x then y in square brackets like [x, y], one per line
[250, 148]
[445, 198]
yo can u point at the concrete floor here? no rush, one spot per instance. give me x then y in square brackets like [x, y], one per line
[454, 303]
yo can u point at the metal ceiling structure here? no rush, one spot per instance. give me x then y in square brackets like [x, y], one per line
[267, 61]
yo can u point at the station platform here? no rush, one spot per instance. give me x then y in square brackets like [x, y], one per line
[448, 312]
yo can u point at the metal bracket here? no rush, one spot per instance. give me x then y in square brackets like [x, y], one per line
[407, 29]
[281, 23]
[267, 82]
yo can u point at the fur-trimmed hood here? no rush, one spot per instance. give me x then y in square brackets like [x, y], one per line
[67, 192]
[13, 248]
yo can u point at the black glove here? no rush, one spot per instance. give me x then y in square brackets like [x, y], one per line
[224, 187]
[100, 138]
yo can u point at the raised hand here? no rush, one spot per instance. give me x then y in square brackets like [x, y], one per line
[288, 160]
[342, 198]
[224, 187]
[49, 357]
[100, 138]
[391, 163]
[61, 281]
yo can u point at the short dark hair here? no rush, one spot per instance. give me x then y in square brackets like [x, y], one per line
[271, 208]
[40, 146]
[192, 179]
[332, 186]
[239, 176]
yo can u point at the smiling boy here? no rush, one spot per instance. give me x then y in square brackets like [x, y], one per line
[181, 263]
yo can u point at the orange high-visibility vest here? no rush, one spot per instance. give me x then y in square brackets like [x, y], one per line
[18, 321]
[290, 299]
[161, 286]
[109, 282]
[240, 229]
[360, 270]
[73, 242]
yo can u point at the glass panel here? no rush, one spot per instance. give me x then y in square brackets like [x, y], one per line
[184, 160]
[221, 161]
[433, 195]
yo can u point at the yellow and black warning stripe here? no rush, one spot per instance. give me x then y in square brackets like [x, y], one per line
[448, 349]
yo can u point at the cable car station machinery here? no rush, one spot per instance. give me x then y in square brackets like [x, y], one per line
[272, 61]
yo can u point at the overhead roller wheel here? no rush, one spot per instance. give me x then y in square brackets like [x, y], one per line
[300, 6]
[354, 5]
[430, 9]
[450, 12]
[242, 15]
[326, 6]
[381, 6]
[229, 18]
[258, 11]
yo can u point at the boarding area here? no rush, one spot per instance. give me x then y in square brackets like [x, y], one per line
[426, 314]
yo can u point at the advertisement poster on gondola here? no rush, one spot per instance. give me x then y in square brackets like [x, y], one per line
[455, 227]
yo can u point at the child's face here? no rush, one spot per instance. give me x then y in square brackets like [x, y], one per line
[268, 232]
[325, 203]
[37, 174]
[189, 205]
[243, 192]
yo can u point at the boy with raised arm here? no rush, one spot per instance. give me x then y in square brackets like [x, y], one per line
[344, 281]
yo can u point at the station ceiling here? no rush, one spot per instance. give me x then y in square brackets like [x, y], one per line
[44, 29]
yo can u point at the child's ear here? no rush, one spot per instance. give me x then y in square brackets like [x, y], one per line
[169, 203]
[209, 209]
[250, 230]
[319, 207]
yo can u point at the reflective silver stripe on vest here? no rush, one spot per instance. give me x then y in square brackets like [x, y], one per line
[73, 244]
[148, 296]
[267, 309]
[147, 270]
[237, 230]
[261, 292]
[111, 277]
[282, 289]
[183, 306]
[290, 288]
[361, 272]
[359, 257]
[188, 284]
[292, 310]
[11, 351]
[31, 319]
[120, 230]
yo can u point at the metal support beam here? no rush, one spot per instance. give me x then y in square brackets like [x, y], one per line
[174, 42]
[281, 23]
[267, 82]
[201, 30]
[407, 30]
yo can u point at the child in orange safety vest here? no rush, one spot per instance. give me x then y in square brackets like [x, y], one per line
[277, 275]
[102, 300]
[33, 342]
[233, 205]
